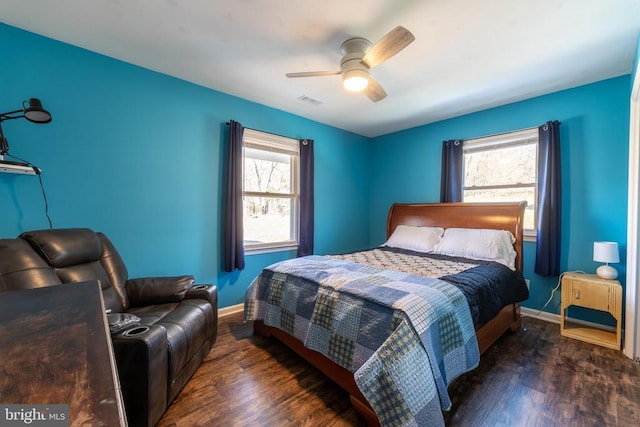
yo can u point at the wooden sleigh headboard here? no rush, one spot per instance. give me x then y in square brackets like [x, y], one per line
[499, 216]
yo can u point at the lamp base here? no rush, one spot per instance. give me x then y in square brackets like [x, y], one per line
[607, 272]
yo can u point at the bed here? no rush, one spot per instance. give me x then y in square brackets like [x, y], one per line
[380, 374]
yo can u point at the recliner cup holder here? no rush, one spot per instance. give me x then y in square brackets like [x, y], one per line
[136, 331]
[200, 287]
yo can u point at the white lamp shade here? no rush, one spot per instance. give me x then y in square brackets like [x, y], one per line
[606, 252]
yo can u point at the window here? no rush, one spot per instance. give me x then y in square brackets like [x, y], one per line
[503, 168]
[270, 191]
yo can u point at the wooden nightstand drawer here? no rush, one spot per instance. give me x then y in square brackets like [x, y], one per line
[585, 294]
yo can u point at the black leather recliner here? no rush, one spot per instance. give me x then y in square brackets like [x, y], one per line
[162, 327]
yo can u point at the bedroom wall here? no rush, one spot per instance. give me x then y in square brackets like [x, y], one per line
[138, 155]
[594, 149]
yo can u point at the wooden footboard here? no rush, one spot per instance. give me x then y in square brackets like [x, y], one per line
[507, 319]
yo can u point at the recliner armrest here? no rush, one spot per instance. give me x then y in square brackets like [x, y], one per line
[142, 361]
[205, 292]
[157, 290]
[208, 293]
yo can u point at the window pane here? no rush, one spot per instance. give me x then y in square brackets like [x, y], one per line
[507, 195]
[267, 171]
[508, 165]
[268, 220]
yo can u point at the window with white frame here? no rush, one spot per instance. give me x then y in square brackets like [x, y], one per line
[270, 191]
[503, 168]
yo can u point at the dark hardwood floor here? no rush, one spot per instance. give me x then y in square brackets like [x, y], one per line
[533, 377]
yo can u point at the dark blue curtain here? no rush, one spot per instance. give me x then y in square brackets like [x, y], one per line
[549, 200]
[233, 229]
[305, 239]
[451, 178]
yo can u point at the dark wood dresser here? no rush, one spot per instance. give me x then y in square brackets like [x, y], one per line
[55, 348]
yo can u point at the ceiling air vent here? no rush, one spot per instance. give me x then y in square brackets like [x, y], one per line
[309, 100]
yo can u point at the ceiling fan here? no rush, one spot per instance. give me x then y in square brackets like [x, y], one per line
[359, 56]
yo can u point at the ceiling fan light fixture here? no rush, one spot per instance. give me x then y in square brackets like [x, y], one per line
[359, 56]
[355, 80]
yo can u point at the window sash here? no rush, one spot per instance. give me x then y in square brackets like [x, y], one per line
[292, 218]
[499, 142]
[276, 144]
[294, 180]
[270, 195]
[500, 186]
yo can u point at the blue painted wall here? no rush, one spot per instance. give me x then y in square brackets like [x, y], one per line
[594, 138]
[138, 155]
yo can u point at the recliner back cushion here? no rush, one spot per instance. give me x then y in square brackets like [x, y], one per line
[22, 268]
[115, 268]
[75, 253]
[65, 247]
[93, 271]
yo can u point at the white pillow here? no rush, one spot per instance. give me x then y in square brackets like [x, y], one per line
[419, 239]
[482, 244]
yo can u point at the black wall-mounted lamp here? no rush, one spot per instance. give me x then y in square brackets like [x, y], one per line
[31, 110]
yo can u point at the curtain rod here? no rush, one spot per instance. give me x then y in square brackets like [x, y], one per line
[270, 133]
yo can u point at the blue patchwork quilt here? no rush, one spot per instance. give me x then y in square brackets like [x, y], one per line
[405, 337]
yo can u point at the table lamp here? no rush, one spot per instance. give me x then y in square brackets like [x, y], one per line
[606, 252]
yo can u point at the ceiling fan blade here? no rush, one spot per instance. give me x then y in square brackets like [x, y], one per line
[389, 45]
[374, 91]
[313, 74]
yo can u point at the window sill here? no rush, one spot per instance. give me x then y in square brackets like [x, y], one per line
[529, 238]
[258, 251]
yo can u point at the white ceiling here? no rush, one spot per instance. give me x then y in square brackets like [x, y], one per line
[468, 54]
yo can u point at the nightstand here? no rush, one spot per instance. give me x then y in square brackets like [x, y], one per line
[590, 291]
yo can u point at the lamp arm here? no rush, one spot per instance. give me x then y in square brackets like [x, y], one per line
[9, 116]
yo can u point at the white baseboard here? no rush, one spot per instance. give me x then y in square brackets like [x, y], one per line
[542, 315]
[232, 309]
[555, 318]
